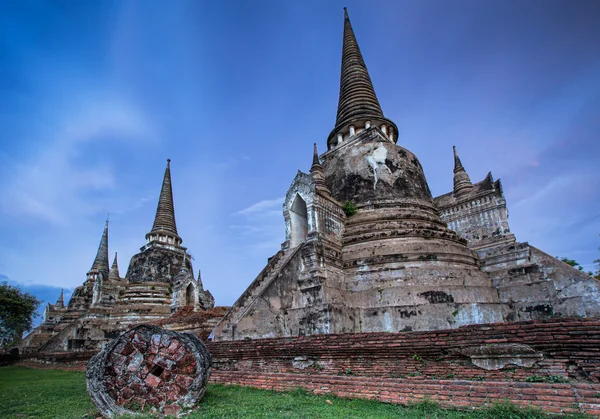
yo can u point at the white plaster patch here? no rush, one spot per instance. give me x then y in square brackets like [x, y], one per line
[376, 161]
[387, 322]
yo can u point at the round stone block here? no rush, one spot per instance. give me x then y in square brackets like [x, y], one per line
[149, 369]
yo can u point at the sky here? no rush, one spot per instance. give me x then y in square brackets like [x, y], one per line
[97, 95]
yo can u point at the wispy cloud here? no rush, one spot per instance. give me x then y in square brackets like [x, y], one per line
[57, 180]
[264, 207]
[263, 224]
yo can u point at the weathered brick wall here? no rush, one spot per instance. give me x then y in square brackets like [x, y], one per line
[568, 347]
[407, 366]
[556, 398]
[399, 367]
[60, 360]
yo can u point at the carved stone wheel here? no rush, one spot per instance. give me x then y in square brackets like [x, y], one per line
[149, 370]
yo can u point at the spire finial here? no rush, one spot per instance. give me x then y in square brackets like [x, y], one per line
[101, 261]
[183, 265]
[164, 221]
[61, 300]
[315, 155]
[462, 182]
[114, 275]
[318, 174]
[457, 163]
[358, 102]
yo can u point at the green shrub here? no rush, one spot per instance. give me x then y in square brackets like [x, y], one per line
[349, 208]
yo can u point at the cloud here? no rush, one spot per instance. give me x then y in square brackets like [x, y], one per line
[264, 207]
[263, 227]
[59, 179]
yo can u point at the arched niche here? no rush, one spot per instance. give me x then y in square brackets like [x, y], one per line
[298, 221]
[189, 295]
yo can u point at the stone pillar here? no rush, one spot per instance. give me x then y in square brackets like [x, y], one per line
[149, 370]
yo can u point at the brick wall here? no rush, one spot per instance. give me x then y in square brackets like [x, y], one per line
[398, 367]
[408, 366]
[555, 398]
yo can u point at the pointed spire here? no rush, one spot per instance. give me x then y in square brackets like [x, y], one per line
[60, 303]
[457, 164]
[199, 281]
[316, 161]
[184, 268]
[164, 221]
[462, 182]
[357, 95]
[358, 102]
[113, 275]
[318, 174]
[101, 262]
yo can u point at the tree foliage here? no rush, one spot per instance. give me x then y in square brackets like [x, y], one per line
[17, 310]
[571, 262]
[349, 208]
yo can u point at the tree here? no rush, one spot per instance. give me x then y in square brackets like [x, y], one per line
[571, 262]
[17, 309]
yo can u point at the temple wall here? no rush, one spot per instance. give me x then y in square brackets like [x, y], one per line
[537, 285]
[481, 219]
[552, 364]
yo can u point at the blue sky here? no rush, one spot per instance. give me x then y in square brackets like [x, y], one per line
[97, 95]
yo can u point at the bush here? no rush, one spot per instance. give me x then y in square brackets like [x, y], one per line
[349, 208]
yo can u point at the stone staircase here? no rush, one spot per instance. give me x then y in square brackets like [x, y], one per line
[256, 288]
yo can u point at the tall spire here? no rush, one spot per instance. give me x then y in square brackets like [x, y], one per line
[60, 303]
[462, 182]
[358, 104]
[164, 222]
[113, 275]
[101, 262]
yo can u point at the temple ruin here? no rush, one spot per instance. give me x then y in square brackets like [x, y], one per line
[369, 249]
[159, 288]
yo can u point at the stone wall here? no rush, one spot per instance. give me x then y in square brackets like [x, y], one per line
[537, 285]
[480, 217]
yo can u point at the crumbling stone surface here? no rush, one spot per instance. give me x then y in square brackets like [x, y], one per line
[496, 356]
[149, 369]
[158, 263]
[373, 169]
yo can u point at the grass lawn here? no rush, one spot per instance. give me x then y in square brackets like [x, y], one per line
[28, 393]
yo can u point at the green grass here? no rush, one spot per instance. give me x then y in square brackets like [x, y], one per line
[26, 393]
